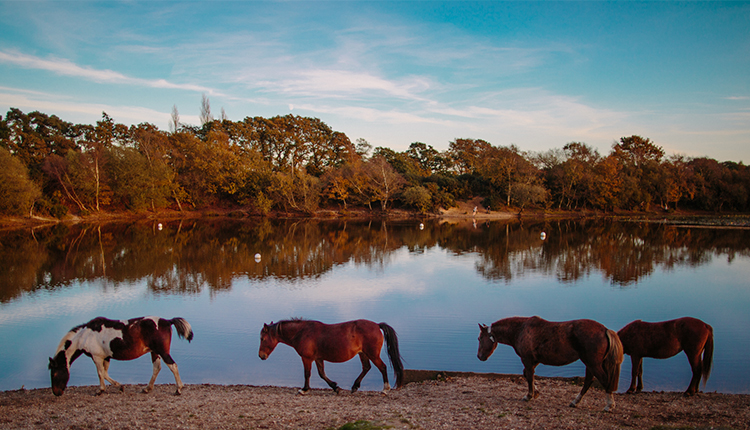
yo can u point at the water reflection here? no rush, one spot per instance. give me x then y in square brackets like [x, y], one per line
[188, 256]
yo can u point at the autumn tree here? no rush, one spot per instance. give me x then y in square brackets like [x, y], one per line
[17, 191]
[505, 167]
[569, 178]
[466, 154]
[384, 182]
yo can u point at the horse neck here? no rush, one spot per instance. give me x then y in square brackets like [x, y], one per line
[74, 339]
[506, 331]
[287, 331]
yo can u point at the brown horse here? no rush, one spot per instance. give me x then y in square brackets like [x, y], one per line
[666, 339]
[103, 339]
[537, 341]
[337, 343]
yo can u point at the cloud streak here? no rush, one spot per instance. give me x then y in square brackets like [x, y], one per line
[67, 68]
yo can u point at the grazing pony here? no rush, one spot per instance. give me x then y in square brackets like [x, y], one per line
[536, 341]
[337, 343]
[103, 339]
[666, 339]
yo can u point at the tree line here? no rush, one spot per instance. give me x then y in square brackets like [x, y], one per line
[290, 163]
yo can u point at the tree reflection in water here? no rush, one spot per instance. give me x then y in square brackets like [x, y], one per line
[186, 256]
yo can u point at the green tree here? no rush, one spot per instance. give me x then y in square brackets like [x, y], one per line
[418, 197]
[642, 171]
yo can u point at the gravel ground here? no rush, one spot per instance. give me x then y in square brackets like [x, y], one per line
[472, 402]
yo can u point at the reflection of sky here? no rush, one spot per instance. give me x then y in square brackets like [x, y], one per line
[433, 299]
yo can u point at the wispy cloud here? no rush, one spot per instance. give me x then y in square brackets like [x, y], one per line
[67, 68]
[346, 84]
[75, 111]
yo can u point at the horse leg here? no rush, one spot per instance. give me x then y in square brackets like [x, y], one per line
[307, 366]
[639, 388]
[321, 371]
[588, 380]
[175, 371]
[586, 385]
[102, 368]
[696, 364]
[528, 372]
[366, 366]
[383, 370]
[156, 361]
[636, 362]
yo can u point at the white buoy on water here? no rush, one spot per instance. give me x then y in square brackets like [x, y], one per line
[543, 235]
[257, 258]
[421, 226]
[158, 226]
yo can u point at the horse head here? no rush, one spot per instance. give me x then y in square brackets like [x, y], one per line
[487, 343]
[268, 340]
[59, 373]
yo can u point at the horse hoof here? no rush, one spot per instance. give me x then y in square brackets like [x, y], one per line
[355, 389]
[337, 390]
[178, 393]
[302, 392]
[573, 404]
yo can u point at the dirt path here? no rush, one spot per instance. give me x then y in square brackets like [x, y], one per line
[452, 403]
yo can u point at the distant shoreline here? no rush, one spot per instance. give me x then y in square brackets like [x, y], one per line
[463, 211]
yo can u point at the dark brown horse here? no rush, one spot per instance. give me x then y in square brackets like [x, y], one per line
[103, 339]
[666, 339]
[537, 341]
[337, 343]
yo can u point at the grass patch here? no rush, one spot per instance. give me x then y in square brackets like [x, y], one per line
[362, 425]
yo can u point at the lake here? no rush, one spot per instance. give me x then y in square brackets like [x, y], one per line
[432, 281]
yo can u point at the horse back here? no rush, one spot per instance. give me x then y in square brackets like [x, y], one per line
[338, 342]
[142, 335]
[663, 339]
[559, 343]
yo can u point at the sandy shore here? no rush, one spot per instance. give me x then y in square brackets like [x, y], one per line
[461, 402]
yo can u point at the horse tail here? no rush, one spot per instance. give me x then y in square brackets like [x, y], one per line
[391, 341]
[612, 361]
[183, 328]
[708, 355]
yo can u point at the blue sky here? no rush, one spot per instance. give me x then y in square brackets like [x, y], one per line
[534, 74]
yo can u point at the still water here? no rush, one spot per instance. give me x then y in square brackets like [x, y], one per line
[433, 283]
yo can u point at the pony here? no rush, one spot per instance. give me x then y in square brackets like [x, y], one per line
[103, 339]
[666, 339]
[317, 342]
[536, 341]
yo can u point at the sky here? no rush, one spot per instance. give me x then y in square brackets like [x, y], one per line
[536, 75]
